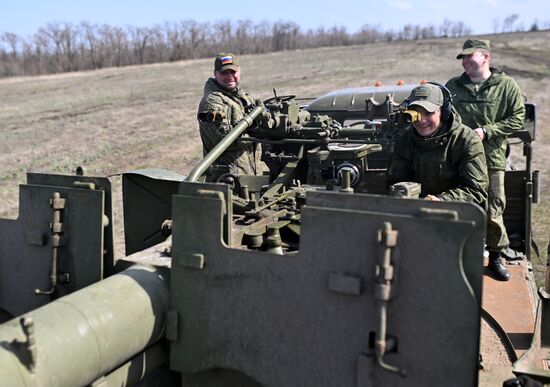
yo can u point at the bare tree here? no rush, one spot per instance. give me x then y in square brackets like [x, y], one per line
[223, 31]
[368, 34]
[12, 40]
[195, 35]
[60, 41]
[50, 40]
[243, 34]
[138, 40]
[261, 37]
[118, 43]
[444, 28]
[406, 32]
[284, 35]
[175, 40]
[508, 24]
[157, 50]
[70, 36]
[64, 47]
[94, 45]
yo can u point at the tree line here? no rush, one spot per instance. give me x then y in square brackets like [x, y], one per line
[64, 47]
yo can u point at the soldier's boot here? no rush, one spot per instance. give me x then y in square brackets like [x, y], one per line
[498, 266]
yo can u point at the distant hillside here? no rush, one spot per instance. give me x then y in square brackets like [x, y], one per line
[119, 119]
[62, 47]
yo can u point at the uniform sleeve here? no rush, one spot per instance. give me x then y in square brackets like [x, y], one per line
[451, 85]
[400, 164]
[515, 112]
[473, 178]
[213, 132]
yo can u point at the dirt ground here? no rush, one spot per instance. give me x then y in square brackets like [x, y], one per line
[495, 360]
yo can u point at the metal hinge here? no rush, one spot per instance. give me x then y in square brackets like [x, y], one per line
[57, 240]
[387, 238]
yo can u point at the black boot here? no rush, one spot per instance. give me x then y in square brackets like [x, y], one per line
[498, 266]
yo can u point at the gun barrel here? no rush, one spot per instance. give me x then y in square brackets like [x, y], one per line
[357, 132]
[82, 336]
[224, 144]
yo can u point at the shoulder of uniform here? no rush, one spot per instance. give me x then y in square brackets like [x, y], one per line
[214, 97]
[453, 80]
[470, 137]
[509, 79]
[457, 82]
[212, 104]
[244, 94]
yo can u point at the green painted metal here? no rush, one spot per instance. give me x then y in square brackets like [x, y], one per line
[142, 368]
[147, 200]
[84, 335]
[229, 139]
[26, 246]
[349, 104]
[281, 319]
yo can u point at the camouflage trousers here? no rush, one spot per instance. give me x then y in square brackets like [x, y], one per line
[497, 238]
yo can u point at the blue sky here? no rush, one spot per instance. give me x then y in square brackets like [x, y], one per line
[24, 17]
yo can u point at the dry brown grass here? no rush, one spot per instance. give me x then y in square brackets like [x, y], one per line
[119, 119]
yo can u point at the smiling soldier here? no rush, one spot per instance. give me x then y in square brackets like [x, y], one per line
[223, 98]
[438, 151]
[491, 103]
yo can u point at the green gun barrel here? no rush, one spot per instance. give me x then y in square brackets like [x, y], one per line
[79, 338]
[222, 146]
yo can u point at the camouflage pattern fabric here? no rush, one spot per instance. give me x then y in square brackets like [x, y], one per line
[450, 165]
[496, 105]
[497, 238]
[240, 158]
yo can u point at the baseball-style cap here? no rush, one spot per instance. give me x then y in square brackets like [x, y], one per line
[473, 44]
[226, 61]
[429, 96]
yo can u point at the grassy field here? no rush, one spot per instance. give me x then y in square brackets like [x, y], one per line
[114, 120]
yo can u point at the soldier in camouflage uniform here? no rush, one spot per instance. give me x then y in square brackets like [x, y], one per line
[491, 103]
[439, 152]
[222, 95]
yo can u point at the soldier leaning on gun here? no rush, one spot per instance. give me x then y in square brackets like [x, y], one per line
[224, 99]
[491, 103]
[438, 151]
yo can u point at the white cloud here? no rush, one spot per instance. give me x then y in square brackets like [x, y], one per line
[403, 5]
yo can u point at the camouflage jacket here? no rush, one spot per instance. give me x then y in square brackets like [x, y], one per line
[496, 105]
[241, 158]
[451, 165]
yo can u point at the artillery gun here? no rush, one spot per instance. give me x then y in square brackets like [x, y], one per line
[306, 276]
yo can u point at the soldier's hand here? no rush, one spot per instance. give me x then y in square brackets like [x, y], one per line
[432, 198]
[480, 133]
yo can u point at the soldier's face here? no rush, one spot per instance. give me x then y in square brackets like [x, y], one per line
[473, 64]
[228, 79]
[429, 122]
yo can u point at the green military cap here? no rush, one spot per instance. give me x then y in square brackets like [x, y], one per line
[474, 44]
[429, 96]
[226, 61]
